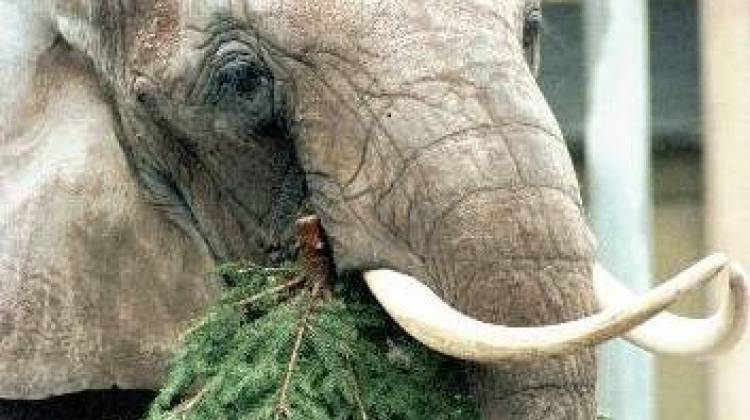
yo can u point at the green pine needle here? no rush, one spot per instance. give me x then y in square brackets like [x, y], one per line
[278, 348]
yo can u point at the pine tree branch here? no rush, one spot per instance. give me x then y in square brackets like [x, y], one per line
[357, 391]
[249, 301]
[282, 408]
[184, 407]
[272, 291]
[191, 329]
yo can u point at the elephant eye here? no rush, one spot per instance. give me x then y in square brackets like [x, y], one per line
[245, 92]
[532, 29]
[239, 80]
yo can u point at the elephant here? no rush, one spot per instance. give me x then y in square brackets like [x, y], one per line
[146, 141]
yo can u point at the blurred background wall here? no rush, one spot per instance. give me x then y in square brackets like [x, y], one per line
[699, 68]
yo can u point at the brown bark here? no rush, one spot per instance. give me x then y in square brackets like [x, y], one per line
[314, 252]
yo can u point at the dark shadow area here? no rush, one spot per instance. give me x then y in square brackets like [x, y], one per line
[89, 405]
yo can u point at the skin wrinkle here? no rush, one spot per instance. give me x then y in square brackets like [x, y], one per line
[159, 190]
[211, 56]
[536, 389]
[360, 218]
[323, 194]
[462, 199]
[535, 267]
[410, 159]
[365, 97]
[366, 144]
[373, 230]
[540, 263]
[177, 197]
[413, 158]
[375, 122]
[553, 294]
[378, 123]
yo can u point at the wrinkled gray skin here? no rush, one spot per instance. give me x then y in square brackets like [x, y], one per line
[415, 129]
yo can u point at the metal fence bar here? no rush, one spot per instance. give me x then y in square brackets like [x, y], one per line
[617, 156]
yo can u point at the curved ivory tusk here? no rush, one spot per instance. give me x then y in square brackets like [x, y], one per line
[674, 335]
[440, 327]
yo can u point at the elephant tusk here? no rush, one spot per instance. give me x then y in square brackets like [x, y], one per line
[426, 317]
[669, 334]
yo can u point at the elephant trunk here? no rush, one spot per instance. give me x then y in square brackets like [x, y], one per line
[491, 219]
[472, 191]
[465, 182]
[520, 257]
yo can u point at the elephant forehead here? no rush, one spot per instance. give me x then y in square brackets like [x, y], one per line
[377, 26]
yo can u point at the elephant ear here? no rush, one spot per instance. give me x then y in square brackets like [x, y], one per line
[94, 282]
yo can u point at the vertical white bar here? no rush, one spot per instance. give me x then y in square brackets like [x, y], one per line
[725, 54]
[618, 171]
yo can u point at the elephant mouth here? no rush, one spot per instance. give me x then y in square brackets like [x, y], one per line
[436, 324]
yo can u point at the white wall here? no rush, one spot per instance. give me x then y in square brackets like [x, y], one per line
[726, 75]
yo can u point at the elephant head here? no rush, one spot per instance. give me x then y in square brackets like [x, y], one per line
[415, 130]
